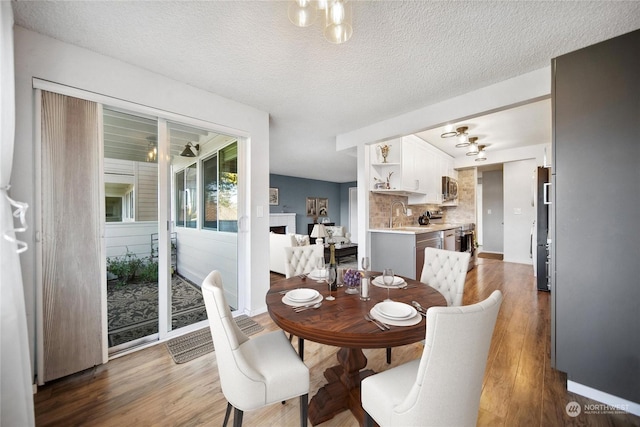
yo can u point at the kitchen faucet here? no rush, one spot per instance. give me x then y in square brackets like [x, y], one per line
[404, 211]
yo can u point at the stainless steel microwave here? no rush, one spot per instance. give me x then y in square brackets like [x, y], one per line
[449, 189]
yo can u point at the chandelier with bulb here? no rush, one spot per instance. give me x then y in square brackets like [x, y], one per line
[337, 26]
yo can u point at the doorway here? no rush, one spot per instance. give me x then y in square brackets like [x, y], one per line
[492, 211]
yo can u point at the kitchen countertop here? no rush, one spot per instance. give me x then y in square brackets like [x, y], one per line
[417, 229]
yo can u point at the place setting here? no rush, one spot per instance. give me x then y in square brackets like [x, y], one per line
[389, 280]
[395, 314]
[302, 299]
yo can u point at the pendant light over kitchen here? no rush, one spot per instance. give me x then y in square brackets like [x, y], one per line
[337, 14]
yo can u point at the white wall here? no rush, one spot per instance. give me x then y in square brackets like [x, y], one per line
[48, 59]
[518, 212]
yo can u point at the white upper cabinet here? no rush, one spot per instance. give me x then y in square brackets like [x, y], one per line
[413, 168]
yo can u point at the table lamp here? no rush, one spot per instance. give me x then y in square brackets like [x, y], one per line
[318, 232]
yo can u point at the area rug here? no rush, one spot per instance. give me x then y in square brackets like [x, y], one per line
[133, 309]
[198, 343]
[488, 255]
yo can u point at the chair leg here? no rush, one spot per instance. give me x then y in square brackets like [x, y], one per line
[368, 421]
[237, 417]
[301, 348]
[304, 409]
[388, 355]
[226, 415]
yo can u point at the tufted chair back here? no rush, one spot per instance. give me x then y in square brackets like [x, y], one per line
[446, 272]
[301, 259]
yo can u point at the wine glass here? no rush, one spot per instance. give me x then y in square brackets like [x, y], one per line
[320, 268]
[365, 263]
[331, 277]
[387, 279]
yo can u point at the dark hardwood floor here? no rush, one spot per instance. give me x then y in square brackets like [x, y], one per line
[147, 388]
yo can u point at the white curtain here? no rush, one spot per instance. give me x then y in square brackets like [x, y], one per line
[16, 396]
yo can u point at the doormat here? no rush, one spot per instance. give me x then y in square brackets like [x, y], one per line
[198, 343]
[488, 255]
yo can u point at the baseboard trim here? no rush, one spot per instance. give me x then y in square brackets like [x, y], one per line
[612, 402]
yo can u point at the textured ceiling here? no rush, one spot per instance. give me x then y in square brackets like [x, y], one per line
[403, 55]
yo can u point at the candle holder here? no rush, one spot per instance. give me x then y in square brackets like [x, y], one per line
[365, 291]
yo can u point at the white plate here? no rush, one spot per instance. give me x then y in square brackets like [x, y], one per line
[287, 301]
[395, 310]
[395, 322]
[317, 274]
[302, 295]
[397, 282]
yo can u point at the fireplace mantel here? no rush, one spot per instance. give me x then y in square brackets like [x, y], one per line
[283, 219]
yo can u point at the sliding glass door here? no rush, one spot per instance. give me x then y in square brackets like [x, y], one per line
[198, 179]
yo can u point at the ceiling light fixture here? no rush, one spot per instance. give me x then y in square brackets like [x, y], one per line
[459, 132]
[302, 13]
[473, 146]
[337, 26]
[152, 149]
[482, 155]
[189, 150]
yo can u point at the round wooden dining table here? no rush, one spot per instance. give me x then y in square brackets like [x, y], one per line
[342, 323]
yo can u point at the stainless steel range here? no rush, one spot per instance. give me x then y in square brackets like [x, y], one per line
[465, 241]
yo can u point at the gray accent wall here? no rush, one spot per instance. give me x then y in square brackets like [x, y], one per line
[293, 193]
[595, 216]
[492, 211]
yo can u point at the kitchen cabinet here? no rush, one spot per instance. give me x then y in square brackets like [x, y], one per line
[401, 168]
[403, 252]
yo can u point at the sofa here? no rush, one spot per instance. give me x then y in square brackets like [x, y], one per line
[337, 234]
[277, 243]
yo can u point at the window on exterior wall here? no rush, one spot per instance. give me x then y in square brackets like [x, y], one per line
[228, 195]
[210, 193]
[129, 203]
[187, 197]
[191, 199]
[180, 196]
[218, 195]
[113, 209]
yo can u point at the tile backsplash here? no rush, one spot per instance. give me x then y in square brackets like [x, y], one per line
[465, 212]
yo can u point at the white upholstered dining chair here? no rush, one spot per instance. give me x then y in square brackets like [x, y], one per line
[446, 272]
[443, 387]
[301, 259]
[253, 372]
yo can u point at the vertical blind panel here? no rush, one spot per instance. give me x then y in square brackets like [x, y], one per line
[70, 235]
